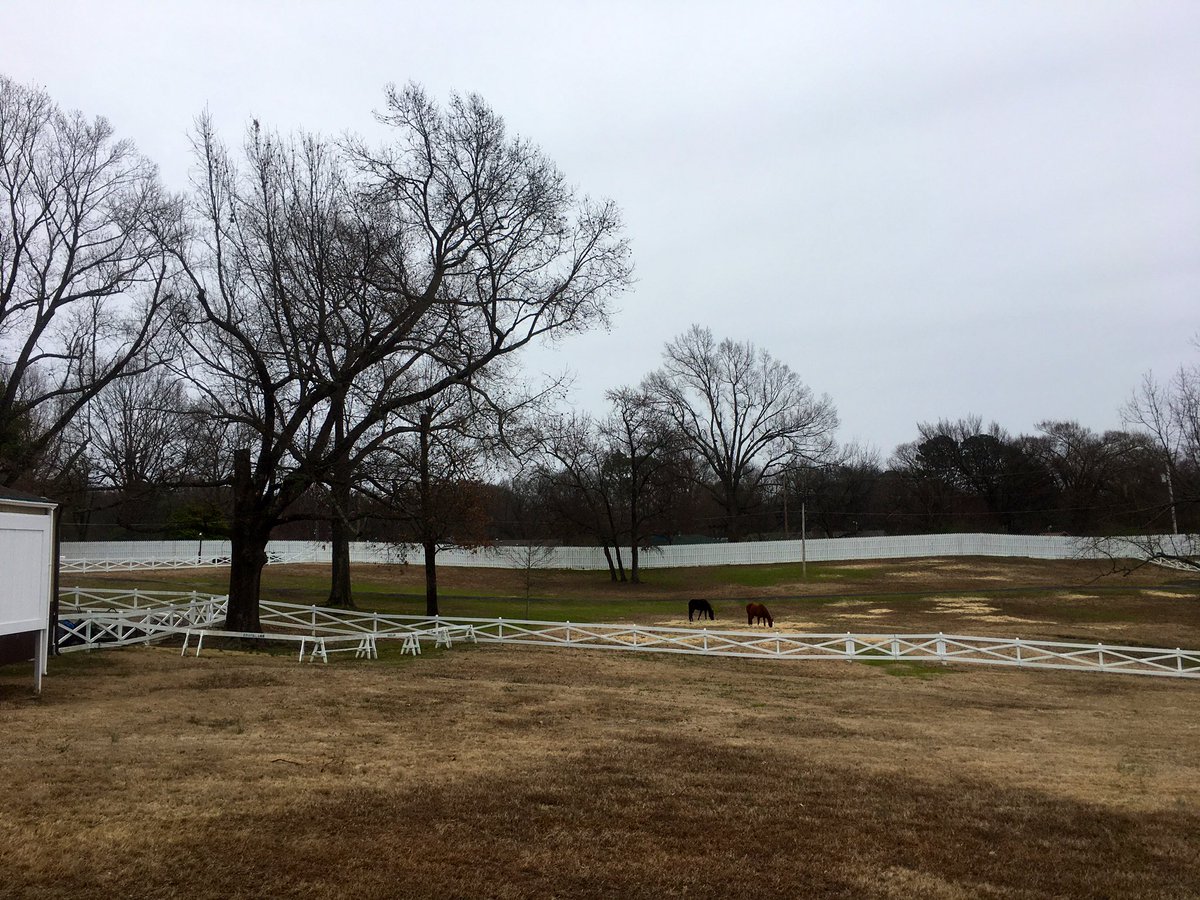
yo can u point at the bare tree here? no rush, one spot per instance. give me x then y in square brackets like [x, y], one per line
[529, 558]
[743, 412]
[84, 273]
[1169, 413]
[836, 495]
[431, 474]
[533, 553]
[642, 442]
[1127, 554]
[1084, 465]
[141, 431]
[573, 473]
[335, 278]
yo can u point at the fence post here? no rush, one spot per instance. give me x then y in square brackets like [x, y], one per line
[135, 598]
[849, 646]
[706, 640]
[941, 647]
[1018, 651]
[500, 619]
[314, 619]
[1100, 647]
[568, 631]
[895, 647]
[1178, 659]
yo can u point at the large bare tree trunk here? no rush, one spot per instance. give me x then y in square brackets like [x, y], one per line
[340, 593]
[633, 537]
[340, 532]
[248, 549]
[249, 555]
[612, 569]
[431, 595]
[428, 542]
[733, 515]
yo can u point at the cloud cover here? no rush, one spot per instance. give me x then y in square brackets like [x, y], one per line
[926, 209]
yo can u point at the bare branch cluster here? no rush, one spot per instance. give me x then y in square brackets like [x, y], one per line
[85, 272]
[747, 415]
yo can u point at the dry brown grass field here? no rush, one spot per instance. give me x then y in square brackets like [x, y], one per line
[487, 771]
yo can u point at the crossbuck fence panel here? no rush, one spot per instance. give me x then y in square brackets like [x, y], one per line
[105, 618]
[133, 555]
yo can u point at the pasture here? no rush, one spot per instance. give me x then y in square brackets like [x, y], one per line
[1050, 599]
[515, 771]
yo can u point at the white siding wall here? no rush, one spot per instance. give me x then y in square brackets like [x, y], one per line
[25, 548]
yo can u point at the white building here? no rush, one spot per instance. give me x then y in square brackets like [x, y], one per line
[27, 565]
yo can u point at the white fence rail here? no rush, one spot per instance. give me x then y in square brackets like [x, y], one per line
[113, 618]
[110, 618]
[133, 555]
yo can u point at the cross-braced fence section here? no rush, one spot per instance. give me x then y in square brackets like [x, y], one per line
[91, 618]
[319, 619]
[139, 563]
[927, 648]
[152, 562]
[110, 618]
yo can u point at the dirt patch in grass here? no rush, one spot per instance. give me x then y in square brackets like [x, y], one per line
[506, 772]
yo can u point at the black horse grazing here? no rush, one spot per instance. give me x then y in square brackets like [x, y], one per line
[758, 612]
[701, 607]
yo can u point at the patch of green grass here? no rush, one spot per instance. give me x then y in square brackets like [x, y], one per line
[390, 653]
[233, 724]
[81, 662]
[551, 610]
[762, 575]
[906, 668]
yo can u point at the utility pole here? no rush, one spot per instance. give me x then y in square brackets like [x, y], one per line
[803, 542]
[1166, 477]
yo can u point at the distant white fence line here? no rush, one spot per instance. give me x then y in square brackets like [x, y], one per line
[92, 619]
[132, 555]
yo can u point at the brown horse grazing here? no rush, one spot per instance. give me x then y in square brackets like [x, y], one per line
[701, 607]
[758, 612]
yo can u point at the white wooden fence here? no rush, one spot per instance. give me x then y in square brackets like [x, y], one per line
[110, 618]
[132, 555]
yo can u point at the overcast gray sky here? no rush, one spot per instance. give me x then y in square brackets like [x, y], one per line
[927, 209]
